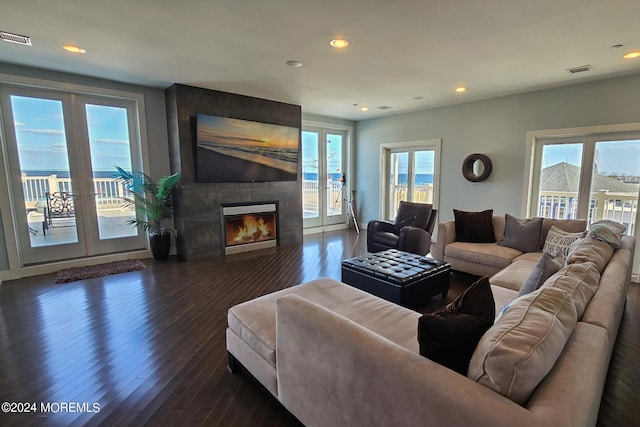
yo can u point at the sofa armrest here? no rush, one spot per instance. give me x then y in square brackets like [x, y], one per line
[446, 235]
[332, 371]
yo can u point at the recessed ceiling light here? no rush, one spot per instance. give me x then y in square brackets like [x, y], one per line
[364, 108]
[461, 89]
[631, 55]
[339, 43]
[73, 49]
[294, 63]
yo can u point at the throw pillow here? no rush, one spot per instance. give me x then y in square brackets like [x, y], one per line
[607, 231]
[474, 227]
[520, 349]
[450, 335]
[559, 241]
[521, 234]
[546, 266]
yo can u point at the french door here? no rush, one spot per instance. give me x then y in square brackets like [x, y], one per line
[412, 175]
[324, 190]
[66, 146]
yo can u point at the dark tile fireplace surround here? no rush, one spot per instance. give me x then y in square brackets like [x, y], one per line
[198, 213]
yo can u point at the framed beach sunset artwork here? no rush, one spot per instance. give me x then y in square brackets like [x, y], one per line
[234, 150]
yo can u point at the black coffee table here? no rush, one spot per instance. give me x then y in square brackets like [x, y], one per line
[401, 277]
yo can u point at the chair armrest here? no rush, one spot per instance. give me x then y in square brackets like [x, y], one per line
[414, 240]
[446, 235]
[377, 226]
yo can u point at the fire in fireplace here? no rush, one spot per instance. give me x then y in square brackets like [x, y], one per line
[249, 227]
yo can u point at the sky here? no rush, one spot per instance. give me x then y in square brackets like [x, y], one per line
[621, 157]
[42, 144]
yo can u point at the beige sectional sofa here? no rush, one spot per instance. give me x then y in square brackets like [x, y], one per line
[486, 259]
[336, 356]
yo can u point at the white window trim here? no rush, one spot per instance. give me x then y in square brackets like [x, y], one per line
[429, 144]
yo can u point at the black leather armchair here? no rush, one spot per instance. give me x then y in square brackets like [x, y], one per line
[411, 231]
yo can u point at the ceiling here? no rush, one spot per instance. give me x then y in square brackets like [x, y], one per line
[406, 55]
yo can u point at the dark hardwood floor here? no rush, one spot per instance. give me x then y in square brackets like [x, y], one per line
[148, 347]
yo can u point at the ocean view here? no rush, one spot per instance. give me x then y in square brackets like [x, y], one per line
[402, 178]
[65, 174]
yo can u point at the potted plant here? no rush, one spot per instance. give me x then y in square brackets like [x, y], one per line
[152, 202]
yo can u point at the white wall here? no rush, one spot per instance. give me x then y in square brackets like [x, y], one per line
[495, 127]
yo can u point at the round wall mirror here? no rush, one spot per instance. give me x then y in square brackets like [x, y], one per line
[476, 167]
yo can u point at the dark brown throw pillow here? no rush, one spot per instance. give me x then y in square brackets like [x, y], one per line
[521, 233]
[474, 227]
[450, 335]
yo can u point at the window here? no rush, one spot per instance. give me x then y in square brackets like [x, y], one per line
[324, 185]
[411, 173]
[61, 151]
[592, 176]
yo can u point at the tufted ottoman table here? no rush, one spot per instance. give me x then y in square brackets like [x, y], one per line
[401, 277]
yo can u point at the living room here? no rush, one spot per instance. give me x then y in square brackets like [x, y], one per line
[501, 125]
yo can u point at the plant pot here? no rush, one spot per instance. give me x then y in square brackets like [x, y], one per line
[160, 243]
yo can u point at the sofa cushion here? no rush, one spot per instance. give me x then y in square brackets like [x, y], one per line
[545, 267]
[520, 349]
[512, 276]
[579, 280]
[449, 335]
[482, 253]
[254, 321]
[607, 231]
[475, 227]
[568, 225]
[559, 240]
[522, 234]
[590, 250]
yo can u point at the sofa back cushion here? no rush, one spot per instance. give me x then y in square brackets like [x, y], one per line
[520, 349]
[579, 280]
[590, 250]
[568, 225]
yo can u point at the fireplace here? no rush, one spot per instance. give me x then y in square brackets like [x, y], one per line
[248, 227]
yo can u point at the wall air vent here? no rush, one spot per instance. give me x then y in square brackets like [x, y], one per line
[580, 69]
[15, 38]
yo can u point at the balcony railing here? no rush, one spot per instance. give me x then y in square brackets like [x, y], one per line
[619, 207]
[108, 191]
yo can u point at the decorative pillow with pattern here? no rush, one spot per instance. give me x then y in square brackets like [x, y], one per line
[560, 241]
[607, 231]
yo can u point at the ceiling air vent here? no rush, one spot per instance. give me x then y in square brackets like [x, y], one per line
[580, 69]
[383, 107]
[15, 38]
